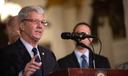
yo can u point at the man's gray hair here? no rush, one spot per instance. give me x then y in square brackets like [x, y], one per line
[24, 11]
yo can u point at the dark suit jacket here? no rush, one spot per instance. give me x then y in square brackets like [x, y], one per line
[70, 61]
[16, 56]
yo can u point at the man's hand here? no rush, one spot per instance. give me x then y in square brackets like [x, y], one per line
[31, 67]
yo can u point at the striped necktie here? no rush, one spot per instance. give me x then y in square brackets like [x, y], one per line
[34, 50]
[84, 63]
[39, 71]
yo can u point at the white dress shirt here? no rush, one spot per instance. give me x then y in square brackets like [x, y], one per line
[29, 48]
[78, 56]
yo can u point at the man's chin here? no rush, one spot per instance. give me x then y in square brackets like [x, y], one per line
[36, 39]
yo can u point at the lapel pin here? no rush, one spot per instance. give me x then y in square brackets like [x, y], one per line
[42, 53]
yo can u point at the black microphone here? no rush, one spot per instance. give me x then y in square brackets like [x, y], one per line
[75, 36]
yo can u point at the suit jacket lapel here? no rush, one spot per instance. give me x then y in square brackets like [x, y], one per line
[42, 53]
[75, 61]
[23, 51]
[91, 57]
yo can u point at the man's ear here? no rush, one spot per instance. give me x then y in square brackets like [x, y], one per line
[21, 27]
[91, 40]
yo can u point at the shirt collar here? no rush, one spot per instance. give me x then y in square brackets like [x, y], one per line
[78, 55]
[27, 46]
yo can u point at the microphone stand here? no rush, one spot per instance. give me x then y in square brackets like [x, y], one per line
[84, 46]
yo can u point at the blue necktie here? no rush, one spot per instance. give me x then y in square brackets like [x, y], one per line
[84, 63]
[39, 71]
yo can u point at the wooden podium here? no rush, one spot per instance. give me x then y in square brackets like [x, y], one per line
[89, 72]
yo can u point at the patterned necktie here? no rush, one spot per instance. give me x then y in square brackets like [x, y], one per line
[84, 63]
[39, 71]
[34, 50]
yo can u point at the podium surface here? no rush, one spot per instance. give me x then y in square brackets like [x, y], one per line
[89, 72]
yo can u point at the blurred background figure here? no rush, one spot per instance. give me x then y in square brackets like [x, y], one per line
[123, 66]
[12, 29]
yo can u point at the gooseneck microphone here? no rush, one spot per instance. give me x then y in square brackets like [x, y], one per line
[75, 36]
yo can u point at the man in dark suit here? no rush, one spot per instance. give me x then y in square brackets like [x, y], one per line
[25, 57]
[90, 60]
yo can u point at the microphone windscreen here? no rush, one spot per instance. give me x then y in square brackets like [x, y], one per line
[66, 35]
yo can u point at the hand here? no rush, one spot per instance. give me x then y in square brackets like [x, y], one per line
[31, 67]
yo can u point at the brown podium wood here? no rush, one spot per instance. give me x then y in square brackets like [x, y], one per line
[89, 72]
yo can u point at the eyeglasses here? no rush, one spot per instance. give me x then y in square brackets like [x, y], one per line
[36, 21]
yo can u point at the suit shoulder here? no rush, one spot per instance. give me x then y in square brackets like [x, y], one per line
[66, 58]
[100, 56]
[102, 61]
[45, 49]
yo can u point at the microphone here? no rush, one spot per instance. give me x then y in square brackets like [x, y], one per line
[75, 36]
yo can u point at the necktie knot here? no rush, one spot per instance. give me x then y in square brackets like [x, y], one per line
[34, 50]
[83, 56]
